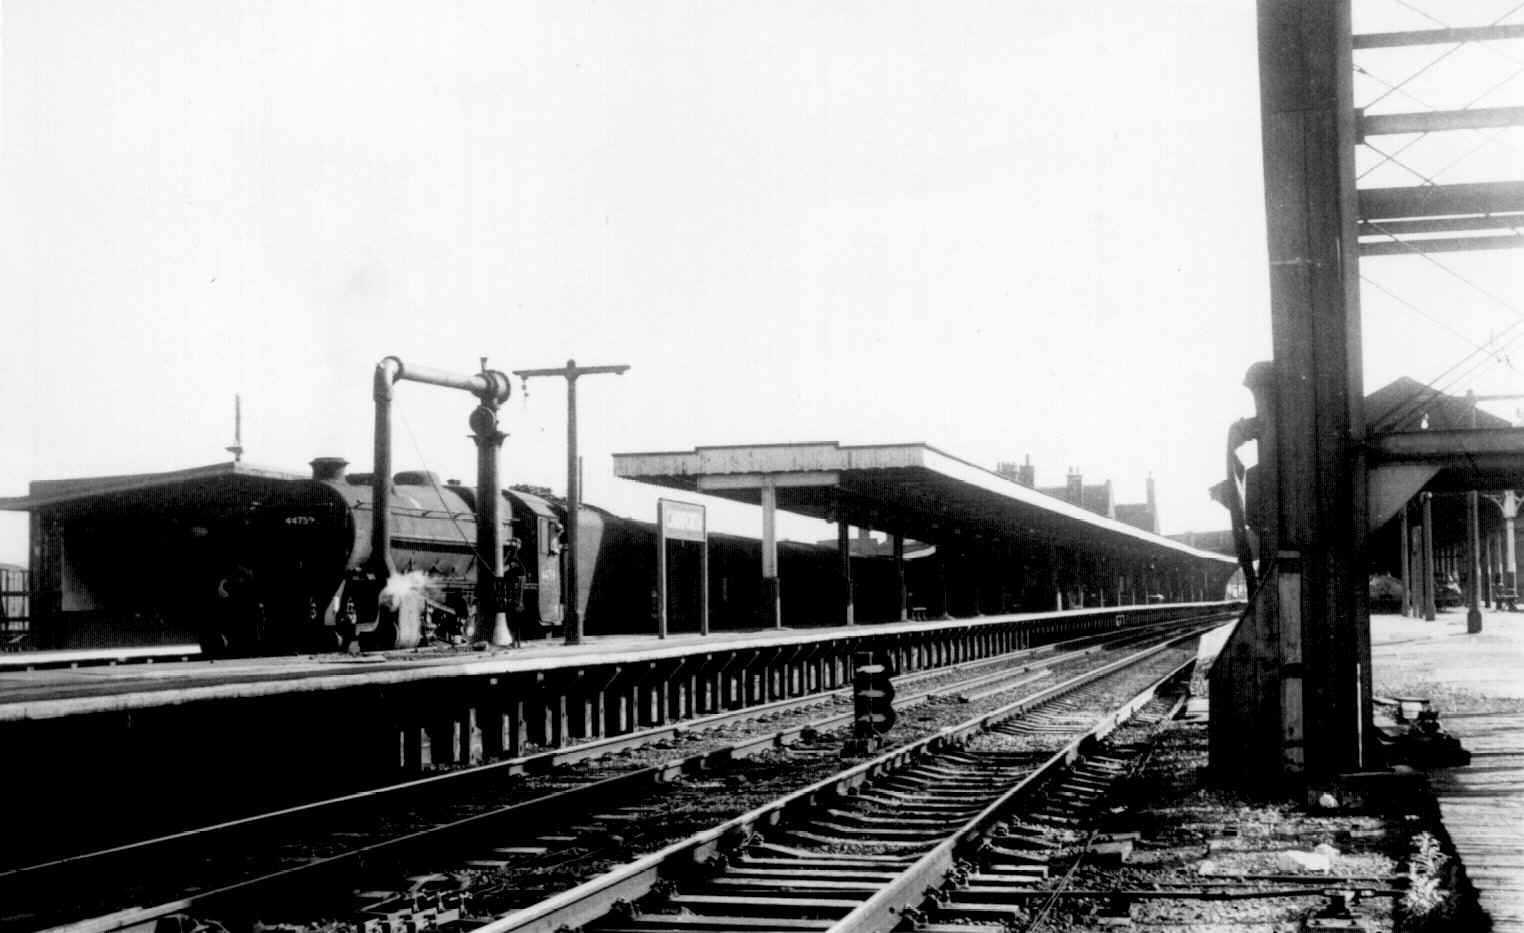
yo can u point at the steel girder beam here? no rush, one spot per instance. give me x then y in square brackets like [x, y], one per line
[1395, 213]
[1458, 244]
[1436, 121]
[1482, 197]
[1391, 40]
[1507, 221]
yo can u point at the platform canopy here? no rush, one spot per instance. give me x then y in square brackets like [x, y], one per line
[913, 490]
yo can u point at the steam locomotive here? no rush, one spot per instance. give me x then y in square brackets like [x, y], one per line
[250, 561]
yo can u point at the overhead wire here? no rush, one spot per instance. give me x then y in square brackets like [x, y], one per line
[1454, 376]
[1489, 135]
[1469, 364]
[1437, 322]
[1482, 354]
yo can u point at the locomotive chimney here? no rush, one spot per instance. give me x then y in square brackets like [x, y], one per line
[329, 469]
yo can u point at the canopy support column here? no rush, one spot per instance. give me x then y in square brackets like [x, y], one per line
[844, 549]
[899, 576]
[772, 604]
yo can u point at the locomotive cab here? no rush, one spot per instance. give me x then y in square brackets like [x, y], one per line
[540, 533]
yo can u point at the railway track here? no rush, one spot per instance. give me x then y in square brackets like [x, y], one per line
[555, 824]
[86, 835]
[859, 850]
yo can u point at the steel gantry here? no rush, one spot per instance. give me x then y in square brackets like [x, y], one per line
[1291, 695]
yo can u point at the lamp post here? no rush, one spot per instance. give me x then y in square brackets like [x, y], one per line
[571, 371]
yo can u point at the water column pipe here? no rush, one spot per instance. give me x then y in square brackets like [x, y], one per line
[491, 388]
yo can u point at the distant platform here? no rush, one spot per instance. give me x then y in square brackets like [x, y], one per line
[1479, 694]
[22, 660]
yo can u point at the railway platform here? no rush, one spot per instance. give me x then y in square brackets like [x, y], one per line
[790, 660]
[1473, 680]
[199, 740]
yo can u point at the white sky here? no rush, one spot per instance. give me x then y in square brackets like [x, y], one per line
[1000, 228]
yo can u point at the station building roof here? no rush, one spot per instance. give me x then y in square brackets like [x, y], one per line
[55, 493]
[911, 489]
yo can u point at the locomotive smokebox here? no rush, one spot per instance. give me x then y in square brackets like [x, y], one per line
[329, 469]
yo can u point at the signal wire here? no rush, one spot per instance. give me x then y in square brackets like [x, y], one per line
[1469, 364]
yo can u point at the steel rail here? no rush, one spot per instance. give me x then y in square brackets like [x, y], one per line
[543, 762]
[593, 899]
[885, 910]
[533, 810]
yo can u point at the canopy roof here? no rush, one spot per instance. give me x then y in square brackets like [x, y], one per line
[910, 489]
[51, 493]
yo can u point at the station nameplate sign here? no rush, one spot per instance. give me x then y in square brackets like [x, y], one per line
[681, 521]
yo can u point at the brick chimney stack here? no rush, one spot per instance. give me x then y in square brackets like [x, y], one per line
[1074, 485]
[1153, 505]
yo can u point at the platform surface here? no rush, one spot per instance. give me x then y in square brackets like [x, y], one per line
[1477, 684]
[50, 694]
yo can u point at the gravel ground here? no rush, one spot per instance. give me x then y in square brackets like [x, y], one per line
[1193, 833]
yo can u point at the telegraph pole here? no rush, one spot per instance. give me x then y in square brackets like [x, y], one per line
[573, 480]
[236, 448]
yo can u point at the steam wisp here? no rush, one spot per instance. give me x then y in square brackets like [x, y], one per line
[400, 585]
